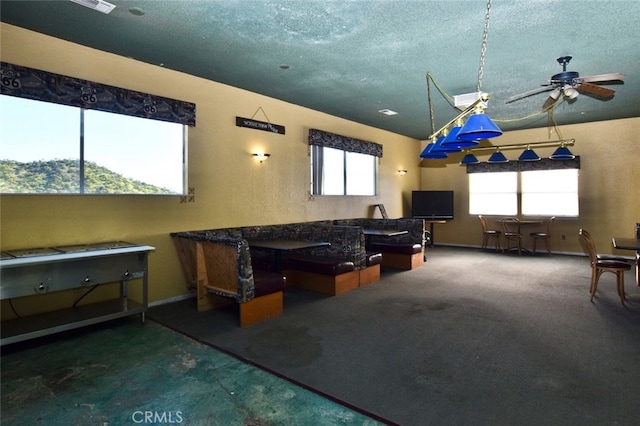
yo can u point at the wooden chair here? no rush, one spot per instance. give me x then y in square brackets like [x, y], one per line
[601, 265]
[543, 235]
[487, 234]
[511, 232]
[604, 256]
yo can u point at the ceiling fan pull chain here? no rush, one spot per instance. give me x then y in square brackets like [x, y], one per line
[483, 50]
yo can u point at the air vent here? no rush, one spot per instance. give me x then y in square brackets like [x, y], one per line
[99, 5]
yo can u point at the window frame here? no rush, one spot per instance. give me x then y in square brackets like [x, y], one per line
[559, 192]
[82, 143]
[318, 171]
[498, 197]
[522, 192]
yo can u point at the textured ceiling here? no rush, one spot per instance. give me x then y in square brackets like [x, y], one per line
[353, 58]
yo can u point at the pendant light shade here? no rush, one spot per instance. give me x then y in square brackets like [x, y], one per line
[529, 155]
[440, 147]
[479, 126]
[469, 159]
[562, 153]
[452, 140]
[497, 157]
[426, 152]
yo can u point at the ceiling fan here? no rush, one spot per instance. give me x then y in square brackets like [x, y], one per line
[570, 84]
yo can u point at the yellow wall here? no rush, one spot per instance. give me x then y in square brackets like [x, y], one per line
[609, 187]
[231, 187]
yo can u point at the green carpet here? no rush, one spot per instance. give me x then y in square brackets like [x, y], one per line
[124, 372]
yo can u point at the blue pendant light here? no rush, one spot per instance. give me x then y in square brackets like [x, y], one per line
[440, 147]
[469, 159]
[497, 157]
[529, 155]
[562, 153]
[479, 126]
[453, 141]
[426, 152]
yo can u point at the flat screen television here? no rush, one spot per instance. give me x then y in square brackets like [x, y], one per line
[434, 205]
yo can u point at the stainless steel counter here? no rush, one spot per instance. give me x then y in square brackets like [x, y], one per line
[38, 271]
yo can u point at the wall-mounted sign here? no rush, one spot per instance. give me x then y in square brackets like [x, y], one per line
[259, 125]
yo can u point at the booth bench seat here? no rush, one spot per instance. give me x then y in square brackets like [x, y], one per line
[402, 251]
[327, 275]
[371, 273]
[220, 270]
[400, 255]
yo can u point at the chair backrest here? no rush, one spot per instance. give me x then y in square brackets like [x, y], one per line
[549, 223]
[510, 225]
[483, 222]
[590, 246]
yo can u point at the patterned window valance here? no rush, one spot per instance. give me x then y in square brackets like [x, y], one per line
[44, 86]
[330, 140]
[523, 166]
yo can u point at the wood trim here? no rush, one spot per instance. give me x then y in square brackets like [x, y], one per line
[261, 308]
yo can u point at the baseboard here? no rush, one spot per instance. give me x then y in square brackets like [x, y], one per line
[172, 299]
[564, 253]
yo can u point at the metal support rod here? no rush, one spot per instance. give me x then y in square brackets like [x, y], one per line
[566, 142]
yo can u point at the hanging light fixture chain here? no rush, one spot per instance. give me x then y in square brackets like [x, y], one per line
[433, 129]
[483, 49]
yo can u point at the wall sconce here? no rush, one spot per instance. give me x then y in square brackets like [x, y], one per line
[261, 157]
[402, 172]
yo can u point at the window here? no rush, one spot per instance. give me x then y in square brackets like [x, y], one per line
[493, 193]
[338, 172]
[550, 192]
[50, 148]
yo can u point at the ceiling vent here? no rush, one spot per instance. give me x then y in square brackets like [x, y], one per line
[99, 5]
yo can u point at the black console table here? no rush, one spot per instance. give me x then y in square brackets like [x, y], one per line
[34, 272]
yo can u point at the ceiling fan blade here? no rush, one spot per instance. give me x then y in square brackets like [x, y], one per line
[602, 77]
[596, 91]
[529, 93]
[550, 101]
